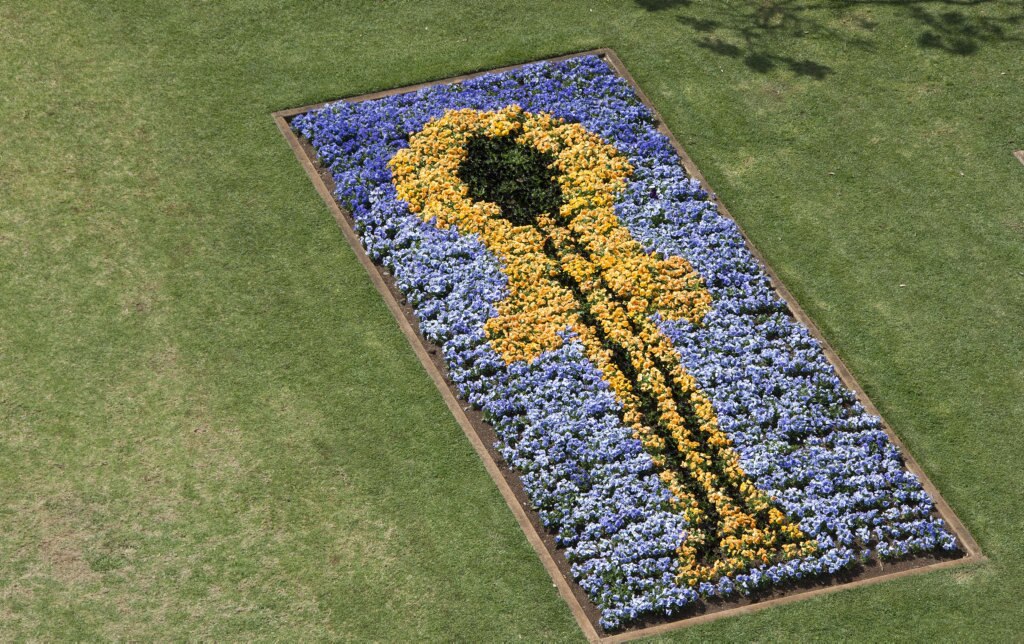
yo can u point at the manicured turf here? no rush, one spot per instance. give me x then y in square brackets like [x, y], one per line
[212, 427]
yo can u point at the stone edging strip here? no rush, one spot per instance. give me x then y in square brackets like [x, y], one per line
[580, 607]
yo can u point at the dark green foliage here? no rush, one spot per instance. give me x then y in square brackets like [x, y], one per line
[517, 177]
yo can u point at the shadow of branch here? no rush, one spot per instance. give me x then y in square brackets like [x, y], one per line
[759, 31]
[962, 34]
[661, 5]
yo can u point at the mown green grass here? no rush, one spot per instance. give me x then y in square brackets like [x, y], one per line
[212, 428]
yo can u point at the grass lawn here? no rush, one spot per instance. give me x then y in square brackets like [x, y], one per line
[211, 427]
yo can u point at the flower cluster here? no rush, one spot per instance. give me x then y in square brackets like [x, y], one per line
[579, 269]
[671, 422]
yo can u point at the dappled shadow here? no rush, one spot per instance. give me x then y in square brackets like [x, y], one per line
[757, 32]
[660, 5]
[961, 33]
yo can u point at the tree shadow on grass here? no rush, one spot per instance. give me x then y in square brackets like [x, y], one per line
[956, 32]
[660, 5]
[755, 31]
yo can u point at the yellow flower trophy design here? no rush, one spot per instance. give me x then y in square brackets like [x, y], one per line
[580, 269]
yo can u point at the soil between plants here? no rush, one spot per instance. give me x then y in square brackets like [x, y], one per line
[872, 569]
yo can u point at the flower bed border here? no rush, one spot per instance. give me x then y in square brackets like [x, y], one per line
[482, 436]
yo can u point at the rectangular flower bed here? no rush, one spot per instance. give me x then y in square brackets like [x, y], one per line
[679, 433]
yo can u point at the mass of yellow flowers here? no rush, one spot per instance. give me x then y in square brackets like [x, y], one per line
[580, 269]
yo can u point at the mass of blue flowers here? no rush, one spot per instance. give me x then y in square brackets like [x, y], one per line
[801, 435]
